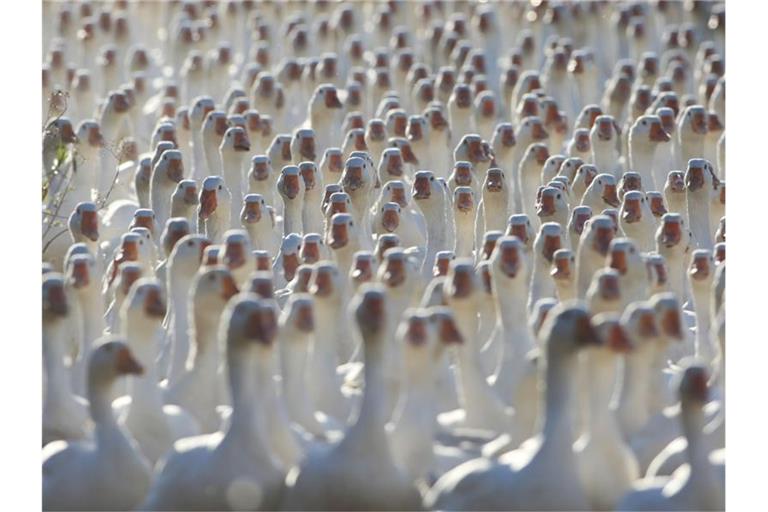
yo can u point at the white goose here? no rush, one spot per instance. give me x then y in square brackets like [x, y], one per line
[363, 459]
[213, 214]
[521, 479]
[644, 136]
[262, 179]
[255, 219]
[233, 469]
[233, 152]
[197, 388]
[108, 471]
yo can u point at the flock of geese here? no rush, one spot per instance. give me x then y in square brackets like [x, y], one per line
[383, 255]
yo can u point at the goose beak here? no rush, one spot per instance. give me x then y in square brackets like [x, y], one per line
[190, 196]
[618, 261]
[632, 212]
[509, 261]
[671, 234]
[562, 270]
[416, 333]
[234, 256]
[394, 274]
[551, 244]
[154, 305]
[609, 288]
[305, 320]
[695, 178]
[464, 201]
[390, 220]
[310, 252]
[546, 206]
[323, 286]
[421, 188]
[609, 195]
[241, 142]
[57, 301]
[175, 171]
[332, 99]
[89, 225]
[228, 287]
[307, 148]
[80, 275]
[658, 134]
[291, 186]
[339, 236]
[461, 284]
[603, 238]
[208, 203]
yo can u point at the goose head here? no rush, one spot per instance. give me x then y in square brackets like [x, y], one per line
[624, 257]
[426, 189]
[303, 146]
[187, 255]
[325, 283]
[570, 167]
[81, 273]
[551, 203]
[495, 182]
[290, 185]
[166, 131]
[211, 290]
[701, 269]
[406, 149]
[604, 292]
[213, 196]
[639, 320]
[279, 150]
[461, 98]
[83, 223]
[579, 217]
[489, 243]
[235, 141]
[548, 240]
[89, 138]
[169, 169]
[602, 191]
[630, 180]
[129, 273]
[503, 139]
[214, 127]
[566, 330]
[262, 283]
[519, 225]
[338, 202]
[417, 334]
[443, 261]
[551, 166]
[581, 141]
[674, 186]
[605, 129]
[417, 129]
[598, 234]
[462, 174]
[354, 141]
[464, 201]
[563, 266]
[332, 163]
[471, 149]
[289, 252]
[391, 165]
[612, 334]
[587, 117]
[324, 102]
[436, 119]
[384, 243]
[375, 132]
[655, 203]
[144, 218]
[530, 130]
[362, 269]
[261, 169]
[460, 287]
[356, 179]
[692, 123]
[110, 359]
[248, 322]
[632, 207]
[536, 154]
[369, 307]
[395, 270]
[342, 232]
[297, 319]
[508, 260]
[144, 307]
[672, 234]
[311, 247]
[390, 217]
[175, 229]
[647, 131]
[185, 195]
[237, 249]
[700, 176]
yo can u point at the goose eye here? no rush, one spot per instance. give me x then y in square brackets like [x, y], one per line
[211, 277]
[558, 196]
[219, 187]
[432, 179]
[351, 223]
[599, 182]
[190, 243]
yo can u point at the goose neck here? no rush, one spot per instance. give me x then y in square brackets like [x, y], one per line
[374, 410]
[558, 382]
[57, 382]
[246, 373]
[99, 402]
[601, 367]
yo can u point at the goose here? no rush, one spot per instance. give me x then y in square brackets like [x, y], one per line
[529, 131]
[321, 116]
[460, 115]
[464, 218]
[471, 148]
[563, 274]
[296, 336]
[603, 137]
[616, 95]
[431, 200]
[515, 480]
[593, 247]
[439, 137]
[691, 133]
[237, 255]
[255, 219]
[213, 212]
[701, 275]
[463, 175]
[154, 426]
[182, 264]
[82, 227]
[551, 206]
[387, 220]
[580, 145]
[363, 459]
[512, 377]
[486, 113]
[675, 192]
[166, 174]
[196, 390]
[673, 243]
[233, 152]
[87, 293]
[601, 446]
[556, 122]
[331, 165]
[336, 201]
[503, 143]
[262, 179]
[583, 176]
[411, 162]
[624, 257]
[637, 220]
[330, 344]
[417, 133]
[285, 263]
[424, 335]
[358, 181]
[583, 67]
[551, 168]
[375, 138]
[413, 223]
[129, 273]
[656, 203]
[528, 82]
[529, 176]
[481, 408]
[343, 240]
[279, 151]
[548, 240]
[644, 137]
[700, 183]
[65, 415]
[313, 186]
[116, 472]
[184, 201]
[699, 484]
[202, 106]
[114, 116]
[601, 193]
[493, 209]
[354, 140]
[391, 166]
[230, 469]
[579, 217]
